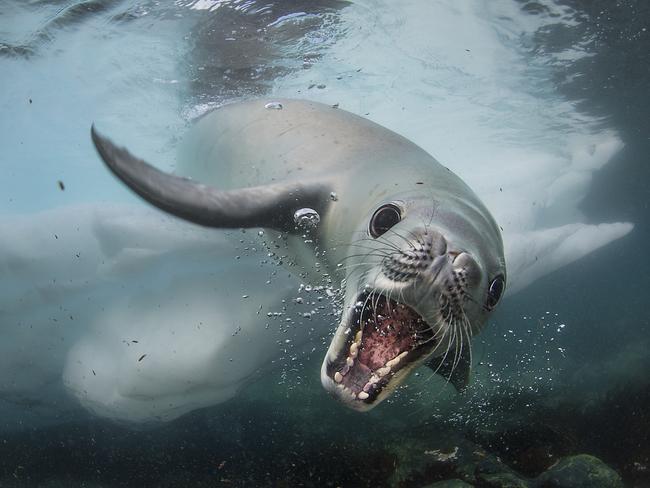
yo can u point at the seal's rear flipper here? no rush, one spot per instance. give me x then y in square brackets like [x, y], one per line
[271, 206]
[531, 255]
[156, 352]
[455, 369]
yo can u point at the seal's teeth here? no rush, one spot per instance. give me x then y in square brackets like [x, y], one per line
[392, 362]
[346, 390]
[396, 360]
[362, 395]
[338, 377]
[349, 361]
[381, 372]
[374, 379]
[357, 337]
[354, 350]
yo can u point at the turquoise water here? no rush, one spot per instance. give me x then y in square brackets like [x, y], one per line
[541, 107]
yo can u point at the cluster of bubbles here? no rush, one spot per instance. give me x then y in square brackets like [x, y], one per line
[313, 311]
[514, 366]
[517, 367]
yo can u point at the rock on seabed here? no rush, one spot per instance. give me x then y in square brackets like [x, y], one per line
[581, 471]
[450, 484]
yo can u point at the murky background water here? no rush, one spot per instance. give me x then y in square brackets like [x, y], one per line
[541, 107]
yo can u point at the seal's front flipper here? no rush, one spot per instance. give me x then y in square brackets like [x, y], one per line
[271, 206]
[455, 369]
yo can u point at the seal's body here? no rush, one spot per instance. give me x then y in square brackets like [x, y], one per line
[418, 256]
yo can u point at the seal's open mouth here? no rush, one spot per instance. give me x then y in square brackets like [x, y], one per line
[384, 338]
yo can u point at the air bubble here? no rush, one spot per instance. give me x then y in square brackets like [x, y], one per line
[306, 217]
[273, 106]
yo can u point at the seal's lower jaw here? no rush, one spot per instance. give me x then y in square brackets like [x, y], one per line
[376, 346]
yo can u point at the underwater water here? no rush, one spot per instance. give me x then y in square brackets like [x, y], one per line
[115, 368]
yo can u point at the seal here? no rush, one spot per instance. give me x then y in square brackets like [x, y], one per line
[418, 257]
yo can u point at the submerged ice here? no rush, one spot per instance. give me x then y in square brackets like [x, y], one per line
[114, 307]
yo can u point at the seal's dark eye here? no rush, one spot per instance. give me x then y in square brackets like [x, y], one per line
[495, 291]
[383, 219]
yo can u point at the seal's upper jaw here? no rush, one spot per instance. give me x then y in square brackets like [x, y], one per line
[376, 346]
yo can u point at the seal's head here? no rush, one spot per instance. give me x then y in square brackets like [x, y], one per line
[421, 279]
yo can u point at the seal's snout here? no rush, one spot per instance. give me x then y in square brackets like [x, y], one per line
[436, 243]
[415, 256]
[466, 271]
[427, 243]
